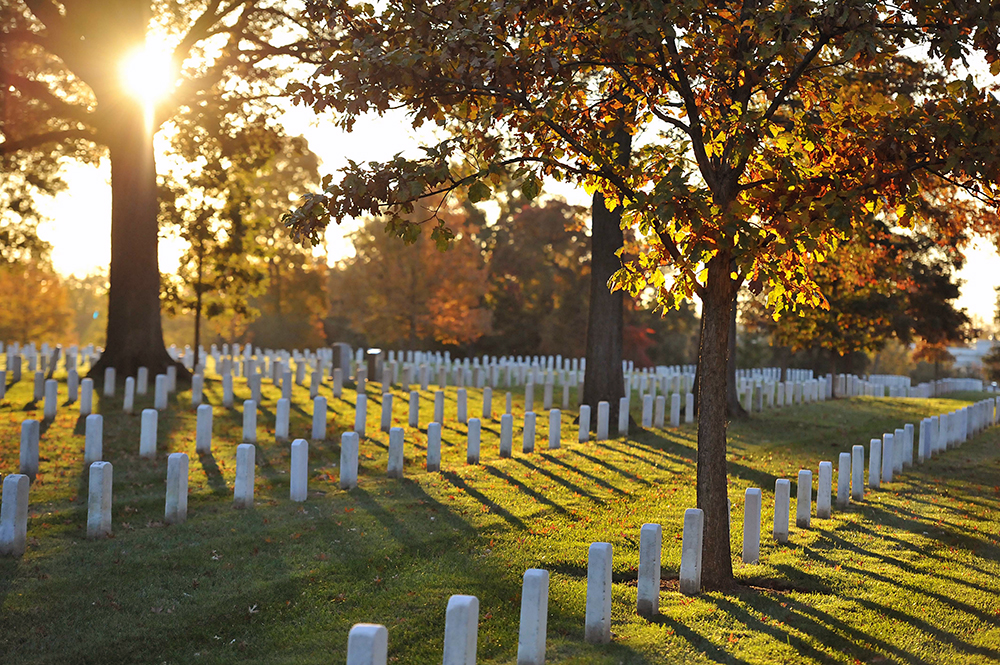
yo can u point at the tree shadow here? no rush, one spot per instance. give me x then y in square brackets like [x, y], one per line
[572, 487]
[493, 506]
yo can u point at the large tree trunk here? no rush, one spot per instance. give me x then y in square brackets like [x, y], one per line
[603, 379]
[134, 333]
[713, 479]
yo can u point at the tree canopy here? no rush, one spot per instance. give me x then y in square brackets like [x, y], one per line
[754, 151]
[65, 96]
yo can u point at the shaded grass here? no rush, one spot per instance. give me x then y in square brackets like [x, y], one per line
[909, 575]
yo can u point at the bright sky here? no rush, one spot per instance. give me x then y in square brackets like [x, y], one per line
[80, 218]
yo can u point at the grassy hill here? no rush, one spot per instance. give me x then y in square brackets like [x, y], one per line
[912, 574]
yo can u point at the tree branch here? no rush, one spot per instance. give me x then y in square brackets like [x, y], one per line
[29, 142]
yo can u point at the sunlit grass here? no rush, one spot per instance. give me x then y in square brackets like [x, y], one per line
[910, 575]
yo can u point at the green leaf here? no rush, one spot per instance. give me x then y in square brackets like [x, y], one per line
[479, 191]
[530, 188]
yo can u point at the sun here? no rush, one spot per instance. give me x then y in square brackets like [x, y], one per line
[148, 74]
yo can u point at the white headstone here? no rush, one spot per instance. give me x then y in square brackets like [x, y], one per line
[414, 414]
[361, 415]
[803, 502]
[249, 421]
[171, 378]
[319, 418]
[751, 525]
[160, 392]
[534, 617]
[528, 440]
[93, 449]
[394, 468]
[461, 630]
[487, 403]
[367, 644]
[348, 460]
[99, 500]
[782, 508]
[175, 510]
[506, 434]
[142, 381]
[86, 397]
[689, 408]
[858, 472]
[555, 428]
[597, 627]
[227, 390]
[583, 433]
[30, 433]
[691, 551]
[128, 404]
[603, 416]
[51, 400]
[461, 406]
[203, 430]
[675, 410]
[439, 406]
[472, 454]
[246, 454]
[197, 388]
[648, 584]
[888, 457]
[824, 490]
[875, 464]
[299, 472]
[844, 481]
[147, 433]
[109, 382]
[14, 515]
[434, 446]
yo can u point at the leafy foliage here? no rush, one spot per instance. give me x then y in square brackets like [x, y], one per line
[396, 295]
[757, 141]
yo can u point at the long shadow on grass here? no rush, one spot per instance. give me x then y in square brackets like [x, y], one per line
[572, 487]
[541, 498]
[840, 640]
[611, 467]
[596, 479]
[698, 642]
[953, 603]
[493, 506]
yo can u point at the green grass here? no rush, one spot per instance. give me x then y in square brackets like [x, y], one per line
[912, 574]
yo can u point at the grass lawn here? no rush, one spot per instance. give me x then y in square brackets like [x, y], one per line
[910, 575]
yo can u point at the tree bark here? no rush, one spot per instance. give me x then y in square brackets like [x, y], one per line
[603, 378]
[134, 332]
[713, 479]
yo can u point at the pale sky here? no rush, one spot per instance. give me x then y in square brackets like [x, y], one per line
[80, 218]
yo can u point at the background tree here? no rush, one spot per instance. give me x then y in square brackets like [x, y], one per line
[88, 298]
[35, 303]
[886, 286]
[225, 210]
[64, 97]
[765, 161]
[538, 259]
[411, 296]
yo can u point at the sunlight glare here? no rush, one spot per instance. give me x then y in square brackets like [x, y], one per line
[148, 75]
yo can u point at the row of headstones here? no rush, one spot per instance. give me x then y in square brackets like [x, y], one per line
[368, 643]
[99, 503]
[887, 457]
[83, 390]
[45, 359]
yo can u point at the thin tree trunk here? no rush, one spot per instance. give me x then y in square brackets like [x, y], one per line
[134, 332]
[197, 309]
[735, 410]
[713, 479]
